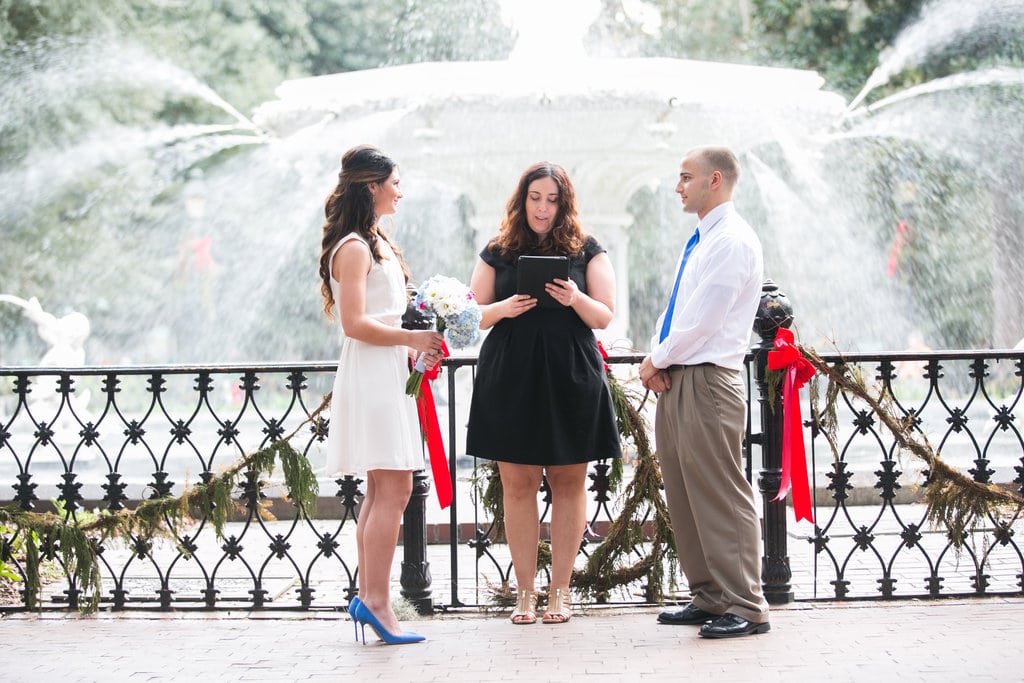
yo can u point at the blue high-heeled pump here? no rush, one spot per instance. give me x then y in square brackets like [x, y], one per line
[362, 615]
[353, 604]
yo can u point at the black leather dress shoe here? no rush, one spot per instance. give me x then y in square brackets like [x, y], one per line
[691, 615]
[732, 626]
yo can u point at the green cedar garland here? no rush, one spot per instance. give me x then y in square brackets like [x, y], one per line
[487, 482]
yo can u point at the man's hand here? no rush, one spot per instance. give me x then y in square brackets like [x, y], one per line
[654, 379]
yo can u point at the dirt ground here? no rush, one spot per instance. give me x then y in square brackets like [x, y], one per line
[10, 592]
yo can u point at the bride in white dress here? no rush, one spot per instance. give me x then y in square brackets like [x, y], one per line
[373, 428]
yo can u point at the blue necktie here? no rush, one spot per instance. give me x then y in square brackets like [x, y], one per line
[666, 325]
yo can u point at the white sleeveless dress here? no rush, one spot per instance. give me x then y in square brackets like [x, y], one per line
[374, 425]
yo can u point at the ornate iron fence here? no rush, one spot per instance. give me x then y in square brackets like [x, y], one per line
[83, 441]
[872, 538]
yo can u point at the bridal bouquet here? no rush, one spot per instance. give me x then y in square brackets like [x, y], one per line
[456, 314]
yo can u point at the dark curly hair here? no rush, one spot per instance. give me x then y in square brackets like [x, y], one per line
[515, 237]
[349, 208]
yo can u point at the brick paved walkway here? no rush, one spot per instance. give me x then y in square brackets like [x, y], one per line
[873, 642]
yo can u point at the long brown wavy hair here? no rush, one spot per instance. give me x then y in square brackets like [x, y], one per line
[349, 208]
[515, 237]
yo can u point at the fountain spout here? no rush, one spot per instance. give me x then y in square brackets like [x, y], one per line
[550, 33]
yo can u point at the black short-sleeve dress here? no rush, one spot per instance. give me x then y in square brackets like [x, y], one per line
[541, 396]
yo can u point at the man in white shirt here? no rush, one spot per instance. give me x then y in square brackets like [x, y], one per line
[695, 367]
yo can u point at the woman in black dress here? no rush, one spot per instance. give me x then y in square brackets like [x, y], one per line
[541, 405]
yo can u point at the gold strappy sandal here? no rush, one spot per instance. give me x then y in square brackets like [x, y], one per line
[559, 609]
[526, 608]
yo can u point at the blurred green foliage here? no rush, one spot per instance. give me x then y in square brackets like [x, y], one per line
[244, 49]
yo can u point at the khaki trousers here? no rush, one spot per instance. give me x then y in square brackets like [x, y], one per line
[699, 426]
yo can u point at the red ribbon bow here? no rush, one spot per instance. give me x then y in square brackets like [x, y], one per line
[787, 356]
[432, 432]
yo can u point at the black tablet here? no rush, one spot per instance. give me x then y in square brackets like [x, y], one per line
[536, 271]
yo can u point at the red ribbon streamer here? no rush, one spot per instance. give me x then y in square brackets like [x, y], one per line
[432, 432]
[898, 242]
[787, 356]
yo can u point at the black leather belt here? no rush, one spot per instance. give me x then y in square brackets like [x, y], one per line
[694, 365]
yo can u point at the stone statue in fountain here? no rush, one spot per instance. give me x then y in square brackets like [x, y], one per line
[66, 338]
[65, 335]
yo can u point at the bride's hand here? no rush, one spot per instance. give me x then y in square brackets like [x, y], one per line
[426, 342]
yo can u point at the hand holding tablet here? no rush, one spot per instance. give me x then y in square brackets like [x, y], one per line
[536, 271]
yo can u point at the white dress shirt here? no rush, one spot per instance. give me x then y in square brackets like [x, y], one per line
[718, 296]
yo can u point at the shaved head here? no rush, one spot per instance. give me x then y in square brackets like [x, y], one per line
[719, 159]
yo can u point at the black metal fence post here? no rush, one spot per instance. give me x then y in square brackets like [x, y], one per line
[416, 580]
[774, 312]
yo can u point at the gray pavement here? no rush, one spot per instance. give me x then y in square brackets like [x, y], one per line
[906, 641]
